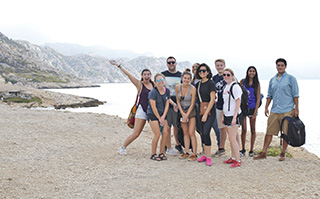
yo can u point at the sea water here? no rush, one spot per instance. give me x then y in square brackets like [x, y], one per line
[120, 97]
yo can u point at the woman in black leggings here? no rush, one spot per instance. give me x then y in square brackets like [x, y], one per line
[206, 92]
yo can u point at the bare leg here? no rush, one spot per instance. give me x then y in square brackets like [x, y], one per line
[223, 137]
[192, 131]
[233, 134]
[138, 126]
[186, 137]
[156, 135]
[267, 141]
[253, 133]
[168, 140]
[244, 133]
[207, 150]
[164, 137]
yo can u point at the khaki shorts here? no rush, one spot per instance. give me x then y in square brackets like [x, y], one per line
[219, 119]
[274, 122]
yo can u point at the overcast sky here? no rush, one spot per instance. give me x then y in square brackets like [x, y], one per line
[243, 32]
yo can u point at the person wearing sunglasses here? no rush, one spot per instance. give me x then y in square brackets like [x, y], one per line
[159, 98]
[206, 93]
[231, 112]
[186, 98]
[173, 77]
[144, 86]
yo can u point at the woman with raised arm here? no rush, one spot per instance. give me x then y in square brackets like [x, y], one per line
[186, 98]
[144, 86]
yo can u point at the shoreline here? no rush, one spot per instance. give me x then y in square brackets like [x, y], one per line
[61, 154]
[45, 98]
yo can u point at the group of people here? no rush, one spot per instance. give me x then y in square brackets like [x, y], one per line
[201, 101]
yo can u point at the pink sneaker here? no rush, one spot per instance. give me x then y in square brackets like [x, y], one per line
[208, 162]
[230, 161]
[202, 159]
[236, 164]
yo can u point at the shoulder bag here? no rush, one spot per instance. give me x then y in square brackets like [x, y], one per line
[203, 105]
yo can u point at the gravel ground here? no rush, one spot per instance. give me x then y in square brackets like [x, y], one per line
[55, 154]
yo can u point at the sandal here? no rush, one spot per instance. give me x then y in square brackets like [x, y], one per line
[154, 157]
[162, 156]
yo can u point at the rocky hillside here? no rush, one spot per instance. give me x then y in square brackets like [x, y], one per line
[42, 67]
[26, 64]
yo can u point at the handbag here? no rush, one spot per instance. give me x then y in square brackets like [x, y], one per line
[132, 114]
[203, 105]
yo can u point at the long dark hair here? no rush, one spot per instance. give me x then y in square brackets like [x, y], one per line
[255, 82]
[147, 70]
[208, 70]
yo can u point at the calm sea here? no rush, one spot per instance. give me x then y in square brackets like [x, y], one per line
[120, 98]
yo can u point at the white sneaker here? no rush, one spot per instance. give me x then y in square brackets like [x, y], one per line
[171, 151]
[122, 150]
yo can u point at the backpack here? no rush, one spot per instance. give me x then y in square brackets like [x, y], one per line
[244, 99]
[296, 131]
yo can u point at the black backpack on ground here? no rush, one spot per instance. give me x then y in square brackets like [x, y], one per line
[296, 131]
[244, 99]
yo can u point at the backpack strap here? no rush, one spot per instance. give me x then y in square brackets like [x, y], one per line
[231, 94]
[282, 135]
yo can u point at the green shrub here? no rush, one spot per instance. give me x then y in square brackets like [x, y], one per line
[22, 100]
[273, 151]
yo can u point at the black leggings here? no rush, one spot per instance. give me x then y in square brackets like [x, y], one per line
[205, 127]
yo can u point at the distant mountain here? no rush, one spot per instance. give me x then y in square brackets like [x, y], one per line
[96, 51]
[28, 64]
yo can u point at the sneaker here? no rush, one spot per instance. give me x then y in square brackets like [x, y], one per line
[208, 162]
[193, 157]
[179, 148]
[165, 149]
[236, 164]
[282, 157]
[229, 161]
[184, 156]
[261, 155]
[171, 151]
[251, 153]
[242, 153]
[202, 159]
[219, 153]
[122, 150]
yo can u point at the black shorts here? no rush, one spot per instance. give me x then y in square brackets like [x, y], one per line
[251, 112]
[152, 117]
[228, 120]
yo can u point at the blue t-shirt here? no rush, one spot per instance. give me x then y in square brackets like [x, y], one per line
[282, 91]
[160, 100]
[220, 84]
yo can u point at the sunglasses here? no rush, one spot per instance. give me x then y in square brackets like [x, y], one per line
[158, 80]
[228, 75]
[204, 70]
[171, 62]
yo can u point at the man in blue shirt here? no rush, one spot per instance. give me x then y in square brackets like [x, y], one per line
[284, 91]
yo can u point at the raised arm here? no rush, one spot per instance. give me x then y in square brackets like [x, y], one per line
[134, 80]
